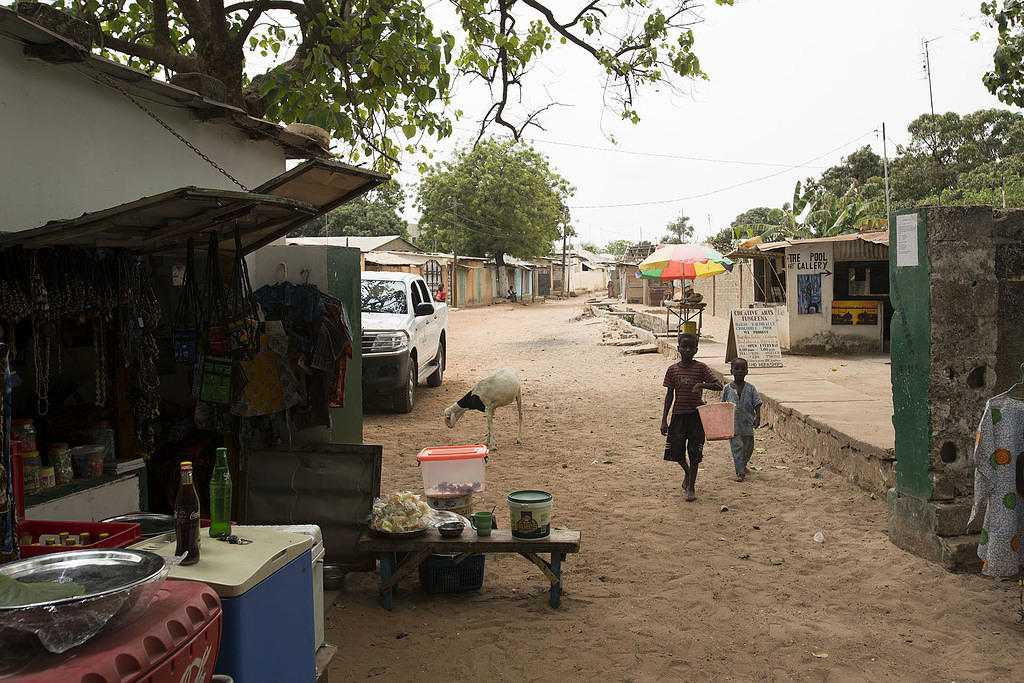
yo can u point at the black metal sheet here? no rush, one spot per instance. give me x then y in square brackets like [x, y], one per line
[331, 485]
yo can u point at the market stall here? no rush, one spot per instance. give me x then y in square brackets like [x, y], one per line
[131, 339]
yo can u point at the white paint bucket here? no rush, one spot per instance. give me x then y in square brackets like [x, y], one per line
[531, 513]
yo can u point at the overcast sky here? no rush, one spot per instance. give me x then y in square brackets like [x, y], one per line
[795, 85]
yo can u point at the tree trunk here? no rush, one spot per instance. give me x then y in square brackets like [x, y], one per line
[499, 261]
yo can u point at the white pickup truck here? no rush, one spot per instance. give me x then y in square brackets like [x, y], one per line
[404, 336]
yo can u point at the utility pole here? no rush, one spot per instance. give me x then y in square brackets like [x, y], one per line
[928, 71]
[885, 161]
[565, 239]
[455, 253]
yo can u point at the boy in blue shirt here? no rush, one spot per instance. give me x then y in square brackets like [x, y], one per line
[747, 416]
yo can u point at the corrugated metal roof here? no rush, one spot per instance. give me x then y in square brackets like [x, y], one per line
[875, 236]
[391, 258]
[164, 222]
[364, 244]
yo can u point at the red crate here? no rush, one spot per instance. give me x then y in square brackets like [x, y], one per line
[177, 639]
[121, 535]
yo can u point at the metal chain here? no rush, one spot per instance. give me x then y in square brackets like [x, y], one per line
[107, 80]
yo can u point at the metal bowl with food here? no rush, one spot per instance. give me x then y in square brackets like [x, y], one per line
[450, 529]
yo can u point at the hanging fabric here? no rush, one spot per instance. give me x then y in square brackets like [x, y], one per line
[242, 321]
[188, 313]
[999, 484]
[216, 308]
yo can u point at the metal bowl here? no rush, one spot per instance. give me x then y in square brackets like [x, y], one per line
[119, 585]
[150, 523]
[450, 529]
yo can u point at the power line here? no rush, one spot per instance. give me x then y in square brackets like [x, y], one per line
[658, 155]
[722, 189]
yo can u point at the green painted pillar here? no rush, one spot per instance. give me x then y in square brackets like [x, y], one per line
[343, 277]
[909, 290]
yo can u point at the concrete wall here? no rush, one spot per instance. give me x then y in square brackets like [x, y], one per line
[956, 343]
[813, 317]
[590, 281]
[727, 291]
[72, 146]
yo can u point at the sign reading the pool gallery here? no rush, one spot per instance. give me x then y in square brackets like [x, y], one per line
[754, 335]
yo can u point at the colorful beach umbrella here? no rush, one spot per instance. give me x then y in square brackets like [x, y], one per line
[684, 262]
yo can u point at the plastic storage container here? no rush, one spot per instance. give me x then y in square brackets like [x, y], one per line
[177, 639]
[31, 463]
[25, 430]
[100, 432]
[268, 581]
[119, 535]
[452, 471]
[17, 478]
[88, 460]
[440, 574]
[59, 455]
[47, 478]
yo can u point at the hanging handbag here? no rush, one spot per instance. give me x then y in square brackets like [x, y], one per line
[242, 323]
[216, 309]
[216, 380]
[188, 314]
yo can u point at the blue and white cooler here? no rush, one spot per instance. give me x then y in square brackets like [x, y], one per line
[266, 593]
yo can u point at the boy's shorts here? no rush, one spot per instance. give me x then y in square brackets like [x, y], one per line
[685, 436]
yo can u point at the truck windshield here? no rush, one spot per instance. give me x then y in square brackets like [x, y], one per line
[383, 296]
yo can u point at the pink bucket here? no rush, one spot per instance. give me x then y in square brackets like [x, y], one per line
[717, 419]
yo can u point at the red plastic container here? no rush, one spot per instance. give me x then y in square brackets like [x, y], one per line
[17, 478]
[121, 535]
[177, 640]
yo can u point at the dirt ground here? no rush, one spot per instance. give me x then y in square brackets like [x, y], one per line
[730, 587]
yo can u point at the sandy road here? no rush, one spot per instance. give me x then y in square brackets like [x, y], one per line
[663, 589]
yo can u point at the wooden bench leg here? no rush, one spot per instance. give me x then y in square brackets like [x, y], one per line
[387, 568]
[391, 572]
[552, 570]
[556, 586]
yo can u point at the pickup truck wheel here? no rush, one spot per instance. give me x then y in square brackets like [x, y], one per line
[437, 376]
[405, 396]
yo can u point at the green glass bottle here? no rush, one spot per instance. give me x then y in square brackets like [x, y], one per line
[220, 496]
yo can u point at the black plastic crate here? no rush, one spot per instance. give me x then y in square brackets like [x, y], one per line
[440, 574]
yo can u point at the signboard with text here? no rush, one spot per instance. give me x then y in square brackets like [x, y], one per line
[754, 335]
[854, 312]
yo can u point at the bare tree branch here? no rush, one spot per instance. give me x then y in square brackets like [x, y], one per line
[561, 29]
[255, 13]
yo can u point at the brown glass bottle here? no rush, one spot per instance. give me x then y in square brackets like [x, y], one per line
[186, 517]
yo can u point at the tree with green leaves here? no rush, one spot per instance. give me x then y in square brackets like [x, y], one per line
[378, 74]
[1006, 79]
[943, 147]
[679, 231]
[504, 196]
[376, 214]
[617, 247]
[854, 170]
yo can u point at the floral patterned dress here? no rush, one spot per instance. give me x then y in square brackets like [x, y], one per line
[999, 485]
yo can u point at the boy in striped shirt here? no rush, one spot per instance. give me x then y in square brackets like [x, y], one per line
[685, 382]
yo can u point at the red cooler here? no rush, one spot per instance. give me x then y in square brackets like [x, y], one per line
[176, 641]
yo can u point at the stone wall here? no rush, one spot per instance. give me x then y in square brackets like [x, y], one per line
[966, 303]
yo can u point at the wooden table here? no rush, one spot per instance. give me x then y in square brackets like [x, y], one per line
[684, 312]
[560, 542]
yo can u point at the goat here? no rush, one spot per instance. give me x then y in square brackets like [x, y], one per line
[497, 389]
